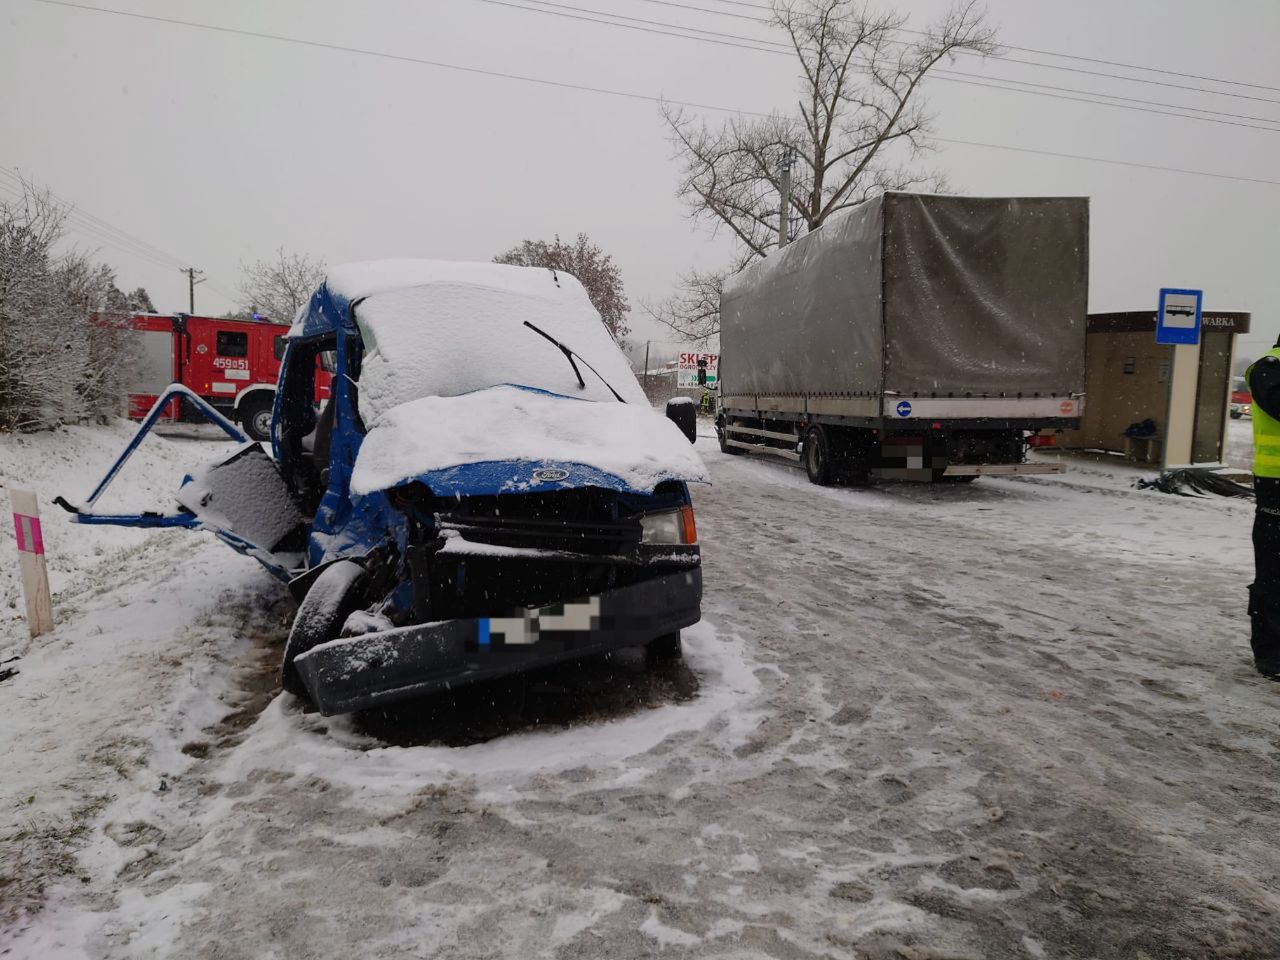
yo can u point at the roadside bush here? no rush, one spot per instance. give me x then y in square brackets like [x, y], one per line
[58, 363]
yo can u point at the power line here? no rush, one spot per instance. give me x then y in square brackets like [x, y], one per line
[100, 229]
[720, 39]
[223, 292]
[95, 222]
[1118, 76]
[1009, 46]
[92, 232]
[1121, 163]
[977, 80]
[100, 239]
[1109, 96]
[988, 84]
[605, 91]
[400, 58]
[765, 46]
[104, 232]
[717, 13]
[661, 23]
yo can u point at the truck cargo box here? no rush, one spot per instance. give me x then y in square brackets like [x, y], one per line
[969, 306]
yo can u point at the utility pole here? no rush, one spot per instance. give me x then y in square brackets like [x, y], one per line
[191, 286]
[784, 206]
[646, 362]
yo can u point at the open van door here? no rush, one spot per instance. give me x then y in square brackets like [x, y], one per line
[247, 504]
[241, 498]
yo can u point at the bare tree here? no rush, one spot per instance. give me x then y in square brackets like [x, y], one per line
[277, 287]
[693, 310]
[860, 127]
[594, 269]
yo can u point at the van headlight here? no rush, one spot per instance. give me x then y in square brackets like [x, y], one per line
[669, 526]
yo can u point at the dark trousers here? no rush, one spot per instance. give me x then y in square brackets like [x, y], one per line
[1264, 592]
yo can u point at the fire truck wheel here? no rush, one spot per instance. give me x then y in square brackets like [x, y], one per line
[255, 417]
[335, 595]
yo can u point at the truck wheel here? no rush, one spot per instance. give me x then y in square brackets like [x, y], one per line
[817, 457]
[723, 437]
[255, 417]
[334, 596]
[664, 649]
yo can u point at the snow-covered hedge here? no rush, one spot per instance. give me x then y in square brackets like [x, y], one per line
[57, 365]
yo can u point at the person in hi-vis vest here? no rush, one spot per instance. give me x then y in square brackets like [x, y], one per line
[1263, 378]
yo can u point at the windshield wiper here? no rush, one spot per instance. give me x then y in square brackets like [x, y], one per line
[569, 355]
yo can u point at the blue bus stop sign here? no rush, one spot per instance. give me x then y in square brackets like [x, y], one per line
[1178, 320]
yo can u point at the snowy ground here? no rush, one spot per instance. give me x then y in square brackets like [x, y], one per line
[1240, 443]
[1009, 719]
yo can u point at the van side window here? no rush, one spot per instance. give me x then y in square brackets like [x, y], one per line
[232, 344]
[278, 345]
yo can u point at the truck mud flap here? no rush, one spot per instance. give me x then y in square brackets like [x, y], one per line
[377, 669]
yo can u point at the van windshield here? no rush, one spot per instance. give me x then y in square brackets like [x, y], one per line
[447, 339]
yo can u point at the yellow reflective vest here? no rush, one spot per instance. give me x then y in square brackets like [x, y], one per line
[1266, 430]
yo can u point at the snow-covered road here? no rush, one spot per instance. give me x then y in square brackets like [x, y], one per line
[1006, 719]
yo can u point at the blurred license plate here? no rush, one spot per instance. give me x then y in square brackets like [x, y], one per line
[532, 625]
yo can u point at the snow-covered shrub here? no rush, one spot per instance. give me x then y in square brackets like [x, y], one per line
[65, 354]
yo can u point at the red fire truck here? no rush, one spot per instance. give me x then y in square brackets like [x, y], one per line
[232, 364]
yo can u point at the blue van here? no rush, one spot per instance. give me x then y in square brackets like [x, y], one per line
[486, 490]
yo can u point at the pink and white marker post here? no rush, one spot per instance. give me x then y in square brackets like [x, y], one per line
[35, 574]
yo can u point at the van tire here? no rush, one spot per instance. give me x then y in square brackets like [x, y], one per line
[255, 416]
[664, 649]
[336, 594]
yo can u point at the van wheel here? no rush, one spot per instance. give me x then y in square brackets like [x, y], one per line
[664, 649]
[817, 457]
[336, 594]
[255, 417]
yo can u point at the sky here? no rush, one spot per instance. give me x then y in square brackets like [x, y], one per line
[217, 148]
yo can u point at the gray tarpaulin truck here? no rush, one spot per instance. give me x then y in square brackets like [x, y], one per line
[913, 337]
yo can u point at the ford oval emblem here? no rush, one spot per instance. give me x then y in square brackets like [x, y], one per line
[550, 474]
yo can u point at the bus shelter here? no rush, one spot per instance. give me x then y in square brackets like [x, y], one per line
[1155, 403]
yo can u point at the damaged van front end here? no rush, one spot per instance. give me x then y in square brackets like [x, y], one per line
[496, 566]
[494, 584]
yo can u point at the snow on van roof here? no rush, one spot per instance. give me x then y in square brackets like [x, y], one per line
[355, 280]
[350, 282]
[445, 329]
